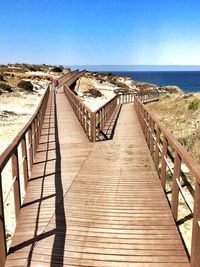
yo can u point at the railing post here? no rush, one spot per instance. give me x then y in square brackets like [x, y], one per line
[30, 145]
[3, 247]
[25, 161]
[163, 166]
[152, 126]
[33, 139]
[148, 130]
[156, 157]
[93, 126]
[195, 255]
[145, 124]
[87, 123]
[175, 188]
[16, 186]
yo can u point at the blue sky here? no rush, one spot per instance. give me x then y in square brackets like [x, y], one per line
[94, 32]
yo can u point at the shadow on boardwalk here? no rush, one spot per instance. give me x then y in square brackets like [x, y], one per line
[115, 214]
[59, 232]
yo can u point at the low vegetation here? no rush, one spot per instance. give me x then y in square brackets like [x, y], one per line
[26, 85]
[6, 87]
[93, 93]
[1, 77]
[194, 104]
[180, 113]
[57, 69]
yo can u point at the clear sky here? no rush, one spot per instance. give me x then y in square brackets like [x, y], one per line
[94, 32]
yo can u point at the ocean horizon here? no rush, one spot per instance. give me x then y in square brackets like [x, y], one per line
[185, 77]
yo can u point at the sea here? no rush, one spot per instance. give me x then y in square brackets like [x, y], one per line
[188, 81]
[185, 77]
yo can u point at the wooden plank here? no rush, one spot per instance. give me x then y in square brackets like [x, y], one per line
[94, 204]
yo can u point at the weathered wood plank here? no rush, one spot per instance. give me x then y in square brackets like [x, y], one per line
[94, 204]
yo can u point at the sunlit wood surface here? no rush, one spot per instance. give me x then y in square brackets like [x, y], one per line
[94, 204]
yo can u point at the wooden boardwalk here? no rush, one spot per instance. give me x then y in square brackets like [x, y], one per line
[94, 204]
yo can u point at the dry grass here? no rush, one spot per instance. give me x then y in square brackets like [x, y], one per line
[181, 115]
[184, 123]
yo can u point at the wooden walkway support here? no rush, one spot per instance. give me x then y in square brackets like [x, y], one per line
[94, 204]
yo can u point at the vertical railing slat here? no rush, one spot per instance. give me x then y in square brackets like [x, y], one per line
[195, 255]
[163, 163]
[156, 156]
[152, 126]
[16, 185]
[30, 145]
[3, 247]
[175, 188]
[25, 162]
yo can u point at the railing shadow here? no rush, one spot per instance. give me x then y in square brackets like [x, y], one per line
[59, 232]
[108, 131]
[61, 227]
[32, 241]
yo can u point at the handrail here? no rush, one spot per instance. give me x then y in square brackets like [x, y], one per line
[65, 77]
[93, 122]
[169, 156]
[8, 151]
[83, 113]
[28, 138]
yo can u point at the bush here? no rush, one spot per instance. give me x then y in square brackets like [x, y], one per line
[194, 104]
[31, 68]
[94, 93]
[6, 87]
[57, 69]
[1, 77]
[26, 85]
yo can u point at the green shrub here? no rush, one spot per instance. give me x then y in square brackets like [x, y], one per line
[57, 69]
[169, 176]
[6, 87]
[194, 104]
[26, 85]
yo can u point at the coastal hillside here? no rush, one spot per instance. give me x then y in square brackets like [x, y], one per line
[22, 85]
[95, 89]
[181, 114]
[21, 88]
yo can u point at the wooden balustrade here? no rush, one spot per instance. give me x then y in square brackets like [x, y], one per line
[73, 78]
[126, 98]
[170, 158]
[26, 142]
[83, 113]
[92, 121]
[63, 79]
[103, 114]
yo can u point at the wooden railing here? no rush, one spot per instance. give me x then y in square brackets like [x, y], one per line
[63, 79]
[126, 98]
[145, 98]
[19, 156]
[20, 153]
[83, 113]
[151, 97]
[103, 114]
[93, 122]
[75, 76]
[170, 158]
